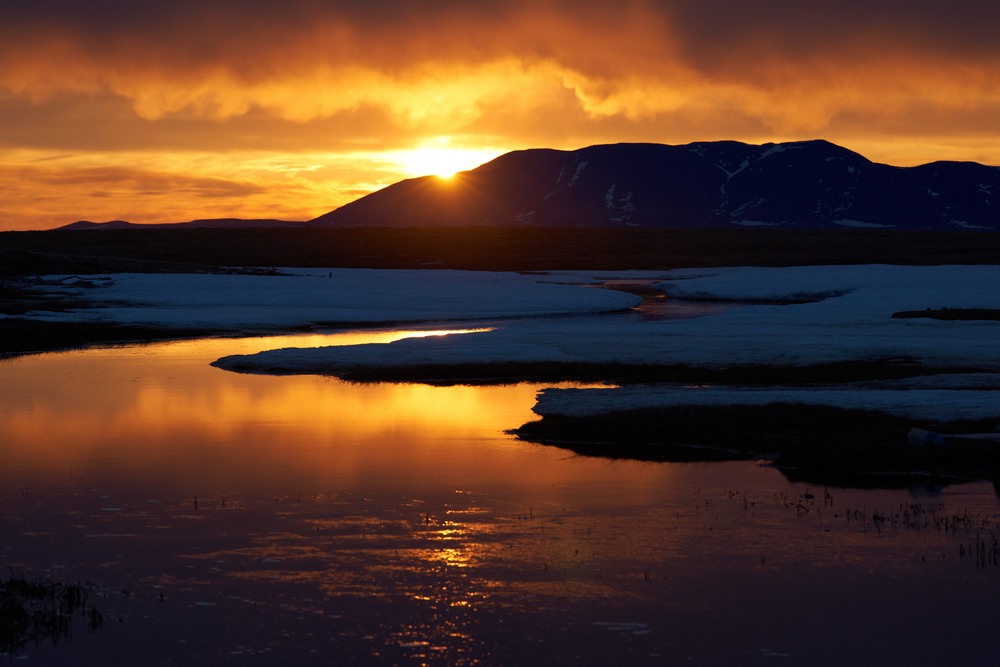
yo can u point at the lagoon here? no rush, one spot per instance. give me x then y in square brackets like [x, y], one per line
[217, 517]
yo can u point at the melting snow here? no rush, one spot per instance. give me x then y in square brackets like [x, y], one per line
[323, 296]
[847, 319]
[837, 314]
[860, 223]
[730, 174]
[576, 175]
[926, 404]
[965, 224]
[756, 223]
[774, 150]
[609, 197]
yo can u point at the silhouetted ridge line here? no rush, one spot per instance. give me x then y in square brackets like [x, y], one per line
[803, 184]
[211, 223]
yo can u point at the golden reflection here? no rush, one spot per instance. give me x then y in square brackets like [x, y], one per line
[170, 389]
[205, 347]
[453, 557]
[421, 531]
[162, 413]
[459, 564]
[163, 410]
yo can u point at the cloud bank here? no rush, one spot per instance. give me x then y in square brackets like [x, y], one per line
[317, 75]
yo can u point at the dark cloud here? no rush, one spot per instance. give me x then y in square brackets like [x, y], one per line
[117, 44]
[107, 181]
[795, 27]
[916, 80]
[393, 31]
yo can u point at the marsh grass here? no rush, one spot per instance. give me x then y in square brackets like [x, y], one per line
[33, 612]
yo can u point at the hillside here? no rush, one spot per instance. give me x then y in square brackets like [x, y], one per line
[810, 185]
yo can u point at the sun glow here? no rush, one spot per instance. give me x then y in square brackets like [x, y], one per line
[440, 159]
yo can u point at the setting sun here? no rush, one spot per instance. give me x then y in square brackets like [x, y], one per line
[441, 160]
[168, 112]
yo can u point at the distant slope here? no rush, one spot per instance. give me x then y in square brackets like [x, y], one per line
[213, 223]
[809, 184]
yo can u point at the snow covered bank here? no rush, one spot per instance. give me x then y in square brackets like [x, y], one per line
[787, 318]
[831, 314]
[928, 405]
[321, 296]
[847, 317]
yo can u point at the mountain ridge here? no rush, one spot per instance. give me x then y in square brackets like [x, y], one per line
[206, 223]
[803, 184]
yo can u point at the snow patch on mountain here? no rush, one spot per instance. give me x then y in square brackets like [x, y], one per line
[609, 197]
[860, 224]
[774, 150]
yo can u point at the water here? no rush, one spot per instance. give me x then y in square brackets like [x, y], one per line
[215, 517]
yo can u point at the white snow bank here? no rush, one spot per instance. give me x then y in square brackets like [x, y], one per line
[840, 313]
[855, 326]
[851, 321]
[871, 288]
[923, 404]
[323, 296]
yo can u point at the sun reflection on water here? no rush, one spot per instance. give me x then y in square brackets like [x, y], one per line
[399, 524]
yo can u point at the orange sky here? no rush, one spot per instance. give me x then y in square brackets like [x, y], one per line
[156, 112]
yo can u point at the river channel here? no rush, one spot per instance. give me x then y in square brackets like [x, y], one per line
[219, 518]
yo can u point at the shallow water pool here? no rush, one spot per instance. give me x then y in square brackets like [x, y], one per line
[218, 518]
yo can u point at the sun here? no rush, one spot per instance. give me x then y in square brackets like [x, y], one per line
[439, 160]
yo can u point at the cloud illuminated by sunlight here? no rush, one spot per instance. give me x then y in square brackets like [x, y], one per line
[248, 108]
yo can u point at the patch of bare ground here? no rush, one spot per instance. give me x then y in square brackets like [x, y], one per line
[23, 336]
[809, 443]
[951, 314]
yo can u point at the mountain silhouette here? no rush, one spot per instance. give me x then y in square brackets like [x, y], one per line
[211, 223]
[805, 184]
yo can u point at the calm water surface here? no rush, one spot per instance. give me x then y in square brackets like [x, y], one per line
[218, 518]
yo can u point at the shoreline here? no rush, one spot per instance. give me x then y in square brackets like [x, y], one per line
[813, 443]
[836, 444]
[21, 337]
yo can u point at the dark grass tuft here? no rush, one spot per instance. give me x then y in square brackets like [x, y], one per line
[24, 336]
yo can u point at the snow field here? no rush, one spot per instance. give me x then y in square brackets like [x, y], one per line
[789, 316]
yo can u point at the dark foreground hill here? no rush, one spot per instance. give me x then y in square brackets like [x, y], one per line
[803, 185]
[482, 248]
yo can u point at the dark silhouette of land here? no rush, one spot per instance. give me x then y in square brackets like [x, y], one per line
[487, 249]
[716, 184]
